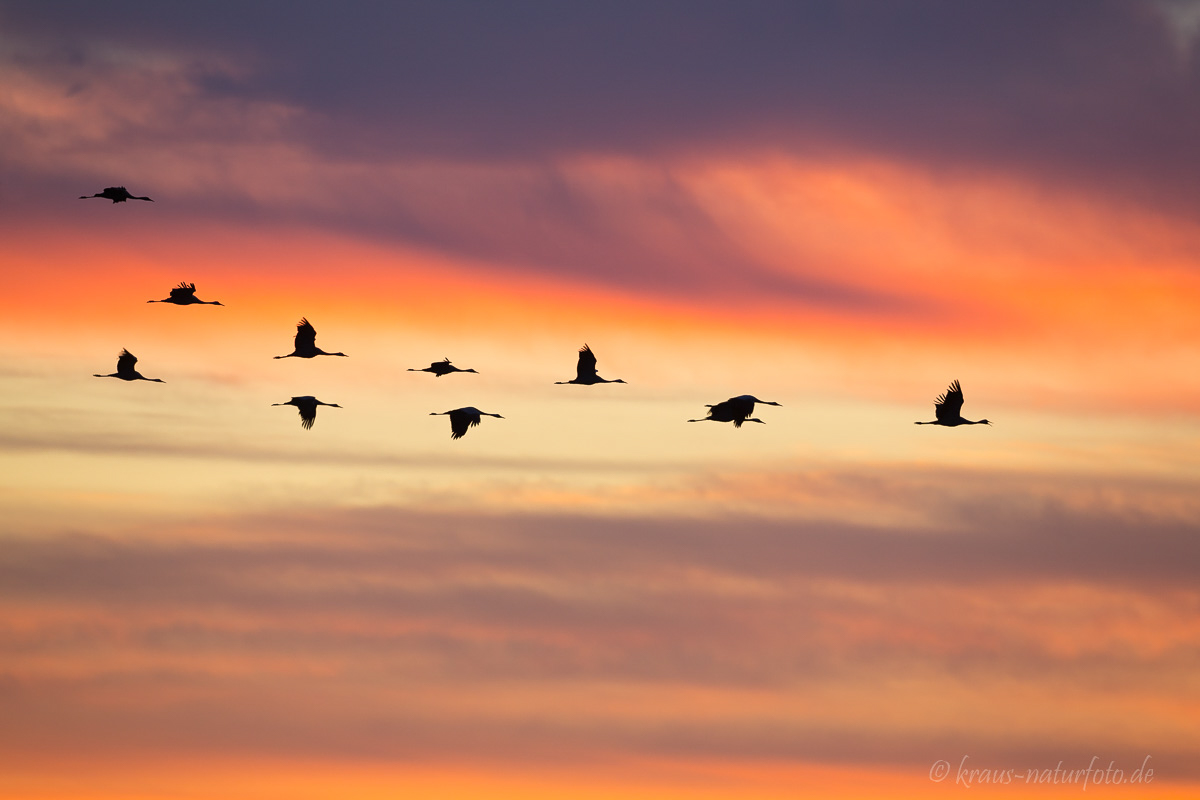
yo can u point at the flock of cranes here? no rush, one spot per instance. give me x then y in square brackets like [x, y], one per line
[947, 408]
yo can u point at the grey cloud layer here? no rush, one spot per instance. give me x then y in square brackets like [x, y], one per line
[981, 543]
[453, 126]
[1090, 92]
[381, 618]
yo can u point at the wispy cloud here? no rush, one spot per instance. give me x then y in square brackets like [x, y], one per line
[1083, 94]
[591, 636]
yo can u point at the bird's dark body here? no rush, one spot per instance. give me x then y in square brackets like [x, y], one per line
[440, 368]
[118, 194]
[463, 418]
[125, 370]
[948, 408]
[185, 295]
[307, 406]
[736, 410]
[306, 343]
[585, 370]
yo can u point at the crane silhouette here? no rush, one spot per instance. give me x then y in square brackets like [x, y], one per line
[185, 295]
[307, 405]
[118, 194]
[585, 370]
[443, 367]
[947, 409]
[463, 418]
[306, 343]
[736, 410]
[125, 370]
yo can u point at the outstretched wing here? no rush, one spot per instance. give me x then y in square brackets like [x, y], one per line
[949, 405]
[306, 336]
[459, 422]
[125, 361]
[586, 368]
[308, 413]
[183, 291]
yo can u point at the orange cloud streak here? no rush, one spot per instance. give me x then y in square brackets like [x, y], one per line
[1057, 292]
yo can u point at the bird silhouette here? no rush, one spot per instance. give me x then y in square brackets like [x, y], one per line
[463, 418]
[736, 410]
[185, 295]
[125, 370]
[947, 408]
[306, 343]
[118, 194]
[585, 370]
[443, 367]
[307, 405]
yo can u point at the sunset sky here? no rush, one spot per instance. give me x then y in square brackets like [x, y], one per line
[837, 206]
